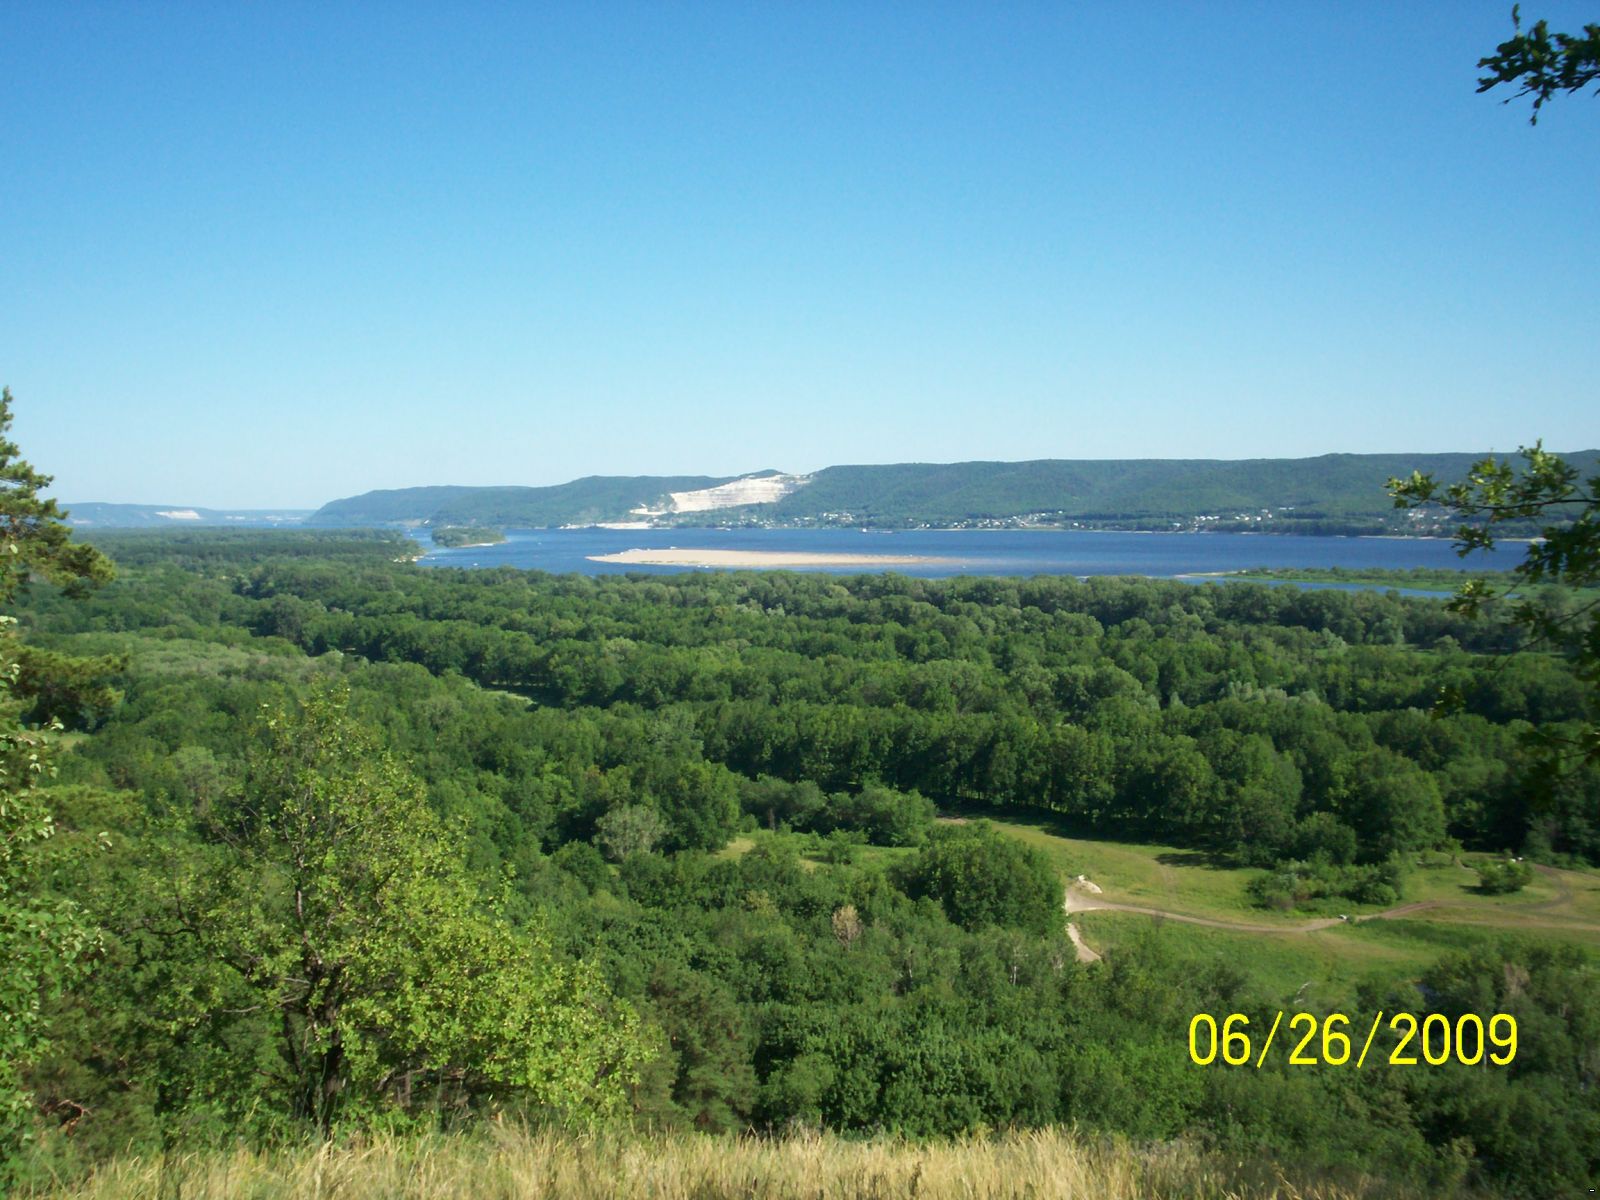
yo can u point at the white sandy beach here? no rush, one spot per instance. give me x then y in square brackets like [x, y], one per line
[766, 558]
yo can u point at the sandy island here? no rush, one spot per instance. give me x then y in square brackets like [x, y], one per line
[674, 557]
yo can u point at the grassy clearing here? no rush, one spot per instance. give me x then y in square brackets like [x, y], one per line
[1311, 970]
[1322, 968]
[811, 857]
[736, 849]
[1455, 885]
[1319, 970]
[1558, 903]
[1154, 876]
[1569, 895]
[1191, 882]
[883, 855]
[509, 1163]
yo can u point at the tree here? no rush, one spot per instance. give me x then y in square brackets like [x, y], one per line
[1547, 489]
[630, 829]
[32, 535]
[341, 905]
[1543, 62]
[43, 939]
[1391, 803]
[704, 1078]
[982, 877]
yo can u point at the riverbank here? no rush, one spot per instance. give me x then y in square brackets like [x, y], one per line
[592, 551]
[467, 537]
[1444, 580]
[776, 559]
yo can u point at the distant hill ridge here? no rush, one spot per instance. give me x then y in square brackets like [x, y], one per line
[1329, 493]
[592, 499]
[93, 514]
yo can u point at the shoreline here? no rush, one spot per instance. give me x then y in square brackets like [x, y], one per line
[690, 529]
[643, 526]
[674, 557]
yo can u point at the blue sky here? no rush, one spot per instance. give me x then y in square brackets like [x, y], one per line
[261, 255]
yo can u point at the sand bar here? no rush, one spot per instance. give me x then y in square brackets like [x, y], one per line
[675, 557]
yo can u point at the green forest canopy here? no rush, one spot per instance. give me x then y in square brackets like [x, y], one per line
[711, 797]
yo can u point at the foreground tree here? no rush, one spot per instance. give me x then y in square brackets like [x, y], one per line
[43, 939]
[338, 904]
[1544, 63]
[1546, 489]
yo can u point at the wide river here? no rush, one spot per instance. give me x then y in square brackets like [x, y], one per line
[1021, 552]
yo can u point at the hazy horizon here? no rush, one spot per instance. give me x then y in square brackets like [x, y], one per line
[268, 508]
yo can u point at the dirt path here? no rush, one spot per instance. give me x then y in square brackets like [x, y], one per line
[1076, 901]
[1087, 904]
[1563, 891]
[1085, 955]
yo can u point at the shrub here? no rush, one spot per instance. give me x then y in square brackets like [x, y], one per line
[1499, 877]
[1298, 884]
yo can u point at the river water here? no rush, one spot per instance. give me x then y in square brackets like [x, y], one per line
[1008, 552]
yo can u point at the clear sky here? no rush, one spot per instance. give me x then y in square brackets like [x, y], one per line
[273, 254]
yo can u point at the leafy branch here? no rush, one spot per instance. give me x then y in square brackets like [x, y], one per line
[1545, 63]
[1567, 551]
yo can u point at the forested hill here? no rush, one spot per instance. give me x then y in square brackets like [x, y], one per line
[1332, 485]
[1333, 493]
[592, 498]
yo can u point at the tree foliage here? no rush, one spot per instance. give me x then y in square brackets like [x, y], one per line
[1543, 63]
[33, 538]
[1551, 491]
[43, 939]
[340, 905]
[757, 755]
[980, 877]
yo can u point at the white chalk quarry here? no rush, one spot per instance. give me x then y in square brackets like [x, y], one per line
[762, 489]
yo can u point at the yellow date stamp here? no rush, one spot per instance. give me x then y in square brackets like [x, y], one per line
[1311, 1040]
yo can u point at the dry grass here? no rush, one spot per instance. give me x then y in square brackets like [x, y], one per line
[1048, 1165]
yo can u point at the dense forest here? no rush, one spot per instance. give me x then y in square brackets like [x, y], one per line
[723, 837]
[466, 535]
[1332, 494]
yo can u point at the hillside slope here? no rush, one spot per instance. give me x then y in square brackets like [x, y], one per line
[592, 498]
[1330, 493]
[1329, 486]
